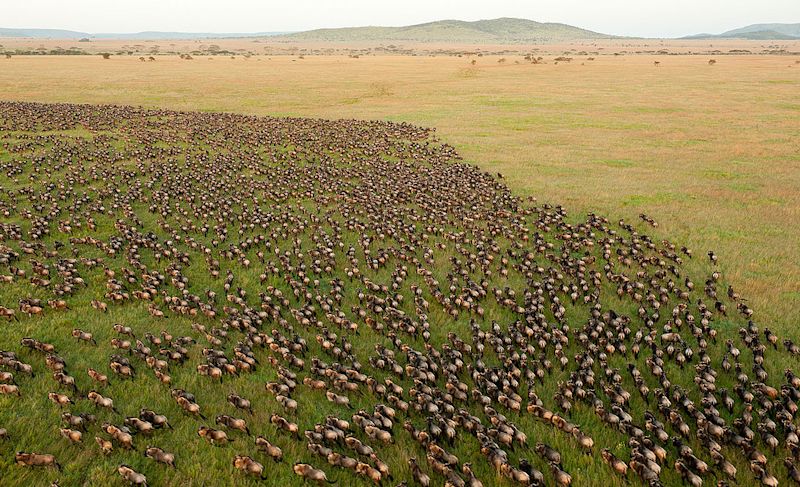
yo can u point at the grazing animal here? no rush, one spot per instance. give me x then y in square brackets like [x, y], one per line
[59, 399]
[83, 336]
[369, 472]
[101, 401]
[215, 437]
[615, 463]
[339, 400]
[310, 473]
[249, 466]
[36, 460]
[131, 476]
[10, 389]
[140, 425]
[232, 423]
[240, 402]
[269, 449]
[73, 436]
[105, 446]
[284, 424]
[189, 406]
[120, 435]
[160, 456]
[157, 420]
[97, 376]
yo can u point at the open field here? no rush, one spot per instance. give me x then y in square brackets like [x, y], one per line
[148, 211]
[711, 152]
[274, 46]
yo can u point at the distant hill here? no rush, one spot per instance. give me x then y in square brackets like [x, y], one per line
[757, 32]
[494, 31]
[792, 30]
[148, 35]
[43, 33]
[499, 31]
[152, 35]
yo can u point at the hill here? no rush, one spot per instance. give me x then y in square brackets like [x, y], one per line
[757, 32]
[150, 35]
[791, 30]
[43, 33]
[500, 31]
[147, 35]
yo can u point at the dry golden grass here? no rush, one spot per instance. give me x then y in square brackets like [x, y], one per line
[268, 45]
[711, 152]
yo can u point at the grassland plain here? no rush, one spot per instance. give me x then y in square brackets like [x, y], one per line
[711, 152]
[273, 46]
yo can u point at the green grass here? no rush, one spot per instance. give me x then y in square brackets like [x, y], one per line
[616, 163]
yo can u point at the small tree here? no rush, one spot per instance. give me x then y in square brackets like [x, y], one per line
[8, 55]
[106, 55]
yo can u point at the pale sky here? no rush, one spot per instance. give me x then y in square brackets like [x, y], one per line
[646, 18]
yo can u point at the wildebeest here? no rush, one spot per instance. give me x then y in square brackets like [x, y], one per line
[131, 476]
[36, 460]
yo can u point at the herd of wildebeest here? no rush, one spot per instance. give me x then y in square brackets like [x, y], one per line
[365, 264]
